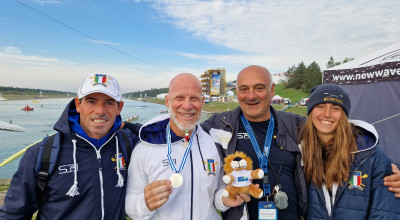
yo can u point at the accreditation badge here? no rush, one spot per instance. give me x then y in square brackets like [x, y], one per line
[267, 210]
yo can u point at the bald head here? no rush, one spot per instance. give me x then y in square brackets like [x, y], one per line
[254, 89]
[255, 69]
[185, 78]
[185, 103]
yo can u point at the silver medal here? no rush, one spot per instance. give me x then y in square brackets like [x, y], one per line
[176, 180]
[280, 199]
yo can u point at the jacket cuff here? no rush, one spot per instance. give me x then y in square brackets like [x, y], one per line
[219, 204]
[145, 209]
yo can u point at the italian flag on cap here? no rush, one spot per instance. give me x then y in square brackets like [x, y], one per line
[99, 78]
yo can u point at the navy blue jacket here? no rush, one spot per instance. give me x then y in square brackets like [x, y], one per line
[366, 198]
[98, 198]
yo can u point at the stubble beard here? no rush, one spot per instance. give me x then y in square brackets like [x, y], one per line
[182, 127]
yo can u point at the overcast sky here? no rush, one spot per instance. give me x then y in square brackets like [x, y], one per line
[54, 44]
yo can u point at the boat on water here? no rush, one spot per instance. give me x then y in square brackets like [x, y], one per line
[132, 118]
[27, 108]
[10, 127]
[163, 111]
[143, 106]
[35, 101]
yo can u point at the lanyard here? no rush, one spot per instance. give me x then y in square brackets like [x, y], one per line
[171, 164]
[262, 156]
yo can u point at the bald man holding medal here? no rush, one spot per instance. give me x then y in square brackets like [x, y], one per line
[176, 170]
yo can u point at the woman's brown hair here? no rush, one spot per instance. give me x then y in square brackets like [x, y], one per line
[332, 159]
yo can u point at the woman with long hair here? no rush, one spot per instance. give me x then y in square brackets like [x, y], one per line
[342, 164]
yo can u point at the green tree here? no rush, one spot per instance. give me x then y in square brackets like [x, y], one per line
[291, 77]
[300, 73]
[149, 93]
[332, 63]
[313, 77]
[296, 75]
[347, 59]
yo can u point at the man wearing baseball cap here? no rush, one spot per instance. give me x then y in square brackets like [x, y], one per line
[90, 155]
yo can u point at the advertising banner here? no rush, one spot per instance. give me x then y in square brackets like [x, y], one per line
[215, 84]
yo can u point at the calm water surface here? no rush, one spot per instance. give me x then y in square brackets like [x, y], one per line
[39, 123]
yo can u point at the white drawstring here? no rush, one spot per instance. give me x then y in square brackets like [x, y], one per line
[73, 191]
[120, 177]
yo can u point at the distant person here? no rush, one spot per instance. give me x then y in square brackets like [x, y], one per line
[343, 166]
[89, 179]
[176, 171]
[276, 152]
[10, 121]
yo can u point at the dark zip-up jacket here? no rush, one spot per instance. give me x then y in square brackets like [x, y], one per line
[223, 128]
[364, 198]
[97, 177]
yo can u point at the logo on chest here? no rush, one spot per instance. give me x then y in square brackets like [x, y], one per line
[210, 166]
[68, 168]
[242, 179]
[356, 181]
[243, 136]
[120, 161]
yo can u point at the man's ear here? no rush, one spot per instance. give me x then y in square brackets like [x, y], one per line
[78, 105]
[167, 101]
[120, 105]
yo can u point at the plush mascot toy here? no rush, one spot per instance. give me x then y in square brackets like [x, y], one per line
[238, 168]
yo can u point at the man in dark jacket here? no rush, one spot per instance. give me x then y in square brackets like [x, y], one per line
[89, 179]
[246, 129]
[255, 91]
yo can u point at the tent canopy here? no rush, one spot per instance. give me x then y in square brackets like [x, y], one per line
[277, 97]
[373, 83]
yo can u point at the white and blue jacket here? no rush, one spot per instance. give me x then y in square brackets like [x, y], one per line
[201, 192]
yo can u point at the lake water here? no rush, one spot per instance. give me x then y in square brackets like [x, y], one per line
[39, 123]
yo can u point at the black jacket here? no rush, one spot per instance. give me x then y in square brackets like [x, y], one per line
[223, 128]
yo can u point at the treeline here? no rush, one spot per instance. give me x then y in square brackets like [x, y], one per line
[7, 90]
[146, 93]
[305, 77]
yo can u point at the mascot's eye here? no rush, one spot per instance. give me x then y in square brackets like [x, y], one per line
[234, 164]
[243, 163]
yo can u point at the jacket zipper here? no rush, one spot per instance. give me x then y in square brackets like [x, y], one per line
[191, 189]
[223, 119]
[101, 181]
[98, 155]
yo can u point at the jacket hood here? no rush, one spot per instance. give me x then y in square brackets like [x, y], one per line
[154, 131]
[62, 124]
[368, 138]
[69, 123]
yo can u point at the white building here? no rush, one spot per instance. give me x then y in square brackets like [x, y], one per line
[161, 96]
[279, 78]
[230, 93]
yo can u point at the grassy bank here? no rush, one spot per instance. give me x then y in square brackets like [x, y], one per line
[4, 184]
[217, 107]
[32, 97]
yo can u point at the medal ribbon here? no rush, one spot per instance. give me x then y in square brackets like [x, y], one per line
[262, 156]
[171, 164]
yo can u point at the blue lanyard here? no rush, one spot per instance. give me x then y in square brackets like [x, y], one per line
[171, 163]
[262, 156]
